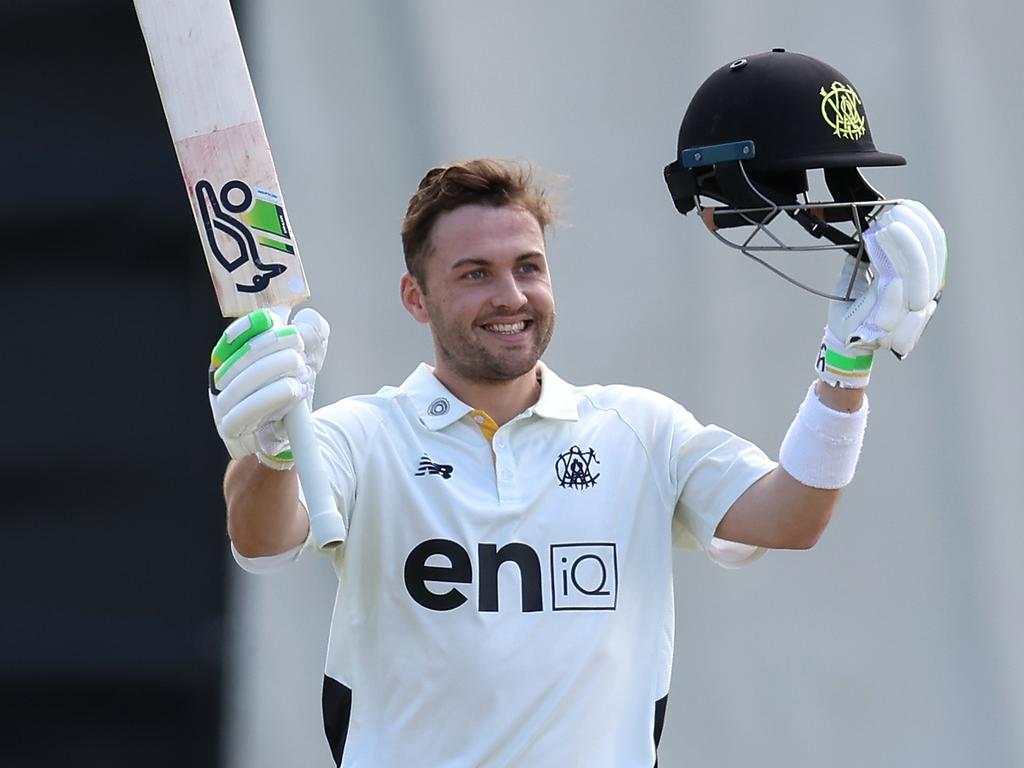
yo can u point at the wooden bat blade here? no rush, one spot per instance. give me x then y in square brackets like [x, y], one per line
[236, 199]
[224, 154]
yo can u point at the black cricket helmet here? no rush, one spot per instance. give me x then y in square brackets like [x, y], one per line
[749, 136]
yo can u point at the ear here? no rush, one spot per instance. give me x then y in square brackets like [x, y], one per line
[412, 298]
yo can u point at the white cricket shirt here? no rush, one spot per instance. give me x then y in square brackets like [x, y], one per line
[508, 602]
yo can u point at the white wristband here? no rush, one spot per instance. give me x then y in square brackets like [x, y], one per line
[822, 445]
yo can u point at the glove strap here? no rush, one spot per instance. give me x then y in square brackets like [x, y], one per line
[281, 462]
[840, 365]
[272, 448]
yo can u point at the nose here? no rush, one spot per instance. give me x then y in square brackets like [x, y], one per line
[508, 293]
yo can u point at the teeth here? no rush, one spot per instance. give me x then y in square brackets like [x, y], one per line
[506, 327]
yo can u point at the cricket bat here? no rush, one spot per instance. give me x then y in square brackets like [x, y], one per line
[232, 184]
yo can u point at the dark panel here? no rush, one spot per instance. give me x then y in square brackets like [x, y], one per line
[113, 569]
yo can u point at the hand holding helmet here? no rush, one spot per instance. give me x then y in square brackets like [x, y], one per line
[907, 249]
[751, 133]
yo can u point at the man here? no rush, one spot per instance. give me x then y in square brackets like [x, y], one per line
[505, 586]
[505, 592]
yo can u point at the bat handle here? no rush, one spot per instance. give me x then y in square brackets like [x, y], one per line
[325, 522]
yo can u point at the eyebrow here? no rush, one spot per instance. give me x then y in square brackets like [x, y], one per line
[478, 262]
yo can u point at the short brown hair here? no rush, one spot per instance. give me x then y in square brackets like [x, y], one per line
[470, 182]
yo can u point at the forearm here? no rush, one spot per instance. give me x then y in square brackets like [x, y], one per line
[839, 398]
[779, 512]
[264, 514]
[790, 507]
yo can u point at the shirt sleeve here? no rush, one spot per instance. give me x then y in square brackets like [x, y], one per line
[732, 554]
[271, 563]
[712, 468]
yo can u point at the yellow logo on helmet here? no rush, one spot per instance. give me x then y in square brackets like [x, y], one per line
[840, 106]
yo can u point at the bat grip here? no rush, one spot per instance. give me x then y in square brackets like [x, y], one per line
[325, 522]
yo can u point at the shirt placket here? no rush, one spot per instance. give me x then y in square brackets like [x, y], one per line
[505, 466]
[506, 472]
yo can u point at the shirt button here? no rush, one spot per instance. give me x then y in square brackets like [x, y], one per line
[500, 443]
[505, 474]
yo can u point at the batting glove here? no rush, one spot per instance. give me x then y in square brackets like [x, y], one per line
[907, 250]
[260, 369]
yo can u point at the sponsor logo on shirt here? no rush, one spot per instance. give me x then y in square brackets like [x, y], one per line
[585, 577]
[581, 576]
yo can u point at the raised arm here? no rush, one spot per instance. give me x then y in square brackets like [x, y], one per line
[779, 511]
[790, 507]
[260, 370]
[265, 516]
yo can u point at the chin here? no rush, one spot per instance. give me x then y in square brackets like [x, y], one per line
[495, 370]
[507, 372]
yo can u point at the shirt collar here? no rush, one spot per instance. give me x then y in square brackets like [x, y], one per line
[557, 399]
[435, 405]
[438, 408]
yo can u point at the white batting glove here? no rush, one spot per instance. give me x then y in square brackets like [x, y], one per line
[907, 249]
[259, 370]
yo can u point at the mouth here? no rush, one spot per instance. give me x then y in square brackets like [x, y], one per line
[507, 329]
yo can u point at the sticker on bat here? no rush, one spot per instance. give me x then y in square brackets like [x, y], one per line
[261, 211]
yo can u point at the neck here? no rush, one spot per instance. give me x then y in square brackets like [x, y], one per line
[501, 400]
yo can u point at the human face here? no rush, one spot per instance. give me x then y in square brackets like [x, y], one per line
[487, 293]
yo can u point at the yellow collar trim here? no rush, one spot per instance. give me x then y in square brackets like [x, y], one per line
[488, 426]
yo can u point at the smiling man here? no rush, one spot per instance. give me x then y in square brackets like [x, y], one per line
[505, 585]
[478, 275]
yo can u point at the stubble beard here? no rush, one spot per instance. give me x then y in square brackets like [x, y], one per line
[469, 359]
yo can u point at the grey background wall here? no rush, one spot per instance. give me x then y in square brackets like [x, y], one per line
[896, 641]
